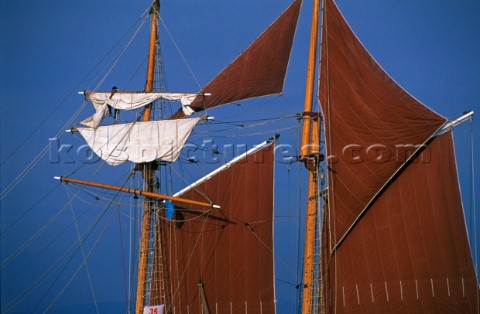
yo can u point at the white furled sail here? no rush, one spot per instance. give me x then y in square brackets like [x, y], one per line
[130, 101]
[139, 141]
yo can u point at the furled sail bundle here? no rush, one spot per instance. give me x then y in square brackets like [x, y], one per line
[221, 261]
[396, 237]
[139, 141]
[128, 101]
[260, 70]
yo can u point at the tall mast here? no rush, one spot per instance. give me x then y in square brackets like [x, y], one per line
[152, 50]
[148, 169]
[309, 153]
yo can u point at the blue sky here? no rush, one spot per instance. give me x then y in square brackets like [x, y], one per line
[50, 50]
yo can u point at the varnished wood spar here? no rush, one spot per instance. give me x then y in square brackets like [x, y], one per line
[151, 57]
[309, 140]
[310, 83]
[147, 171]
[310, 249]
[138, 192]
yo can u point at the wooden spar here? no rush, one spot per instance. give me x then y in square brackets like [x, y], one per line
[310, 83]
[151, 56]
[147, 168]
[138, 192]
[144, 242]
[310, 252]
[309, 140]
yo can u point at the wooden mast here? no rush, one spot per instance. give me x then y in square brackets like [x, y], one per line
[151, 56]
[310, 155]
[148, 169]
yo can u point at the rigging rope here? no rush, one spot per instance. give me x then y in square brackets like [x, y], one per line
[74, 275]
[43, 249]
[36, 284]
[120, 55]
[70, 121]
[271, 250]
[9, 227]
[40, 231]
[52, 270]
[83, 254]
[299, 205]
[94, 245]
[42, 153]
[27, 243]
[473, 213]
[134, 249]
[61, 103]
[270, 131]
[177, 289]
[125, 284]
[180, 52]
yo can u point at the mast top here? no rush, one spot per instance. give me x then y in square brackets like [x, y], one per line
[155, 6]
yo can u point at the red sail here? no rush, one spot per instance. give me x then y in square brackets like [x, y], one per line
[409, 253]
[371, 124]
[395, 237]
[258, 71]
[225, 256]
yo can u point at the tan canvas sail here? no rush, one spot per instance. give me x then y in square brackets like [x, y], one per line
[222, 260]
[395, 235]
[258, 71]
